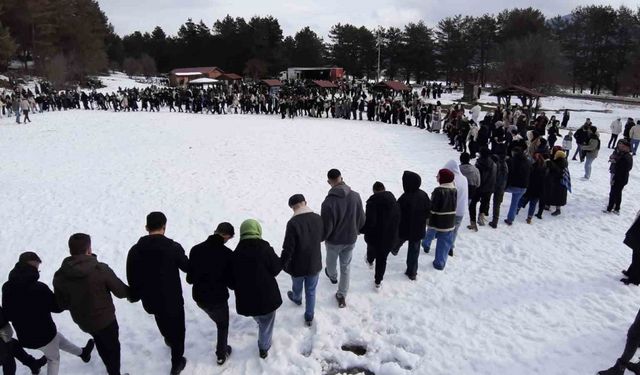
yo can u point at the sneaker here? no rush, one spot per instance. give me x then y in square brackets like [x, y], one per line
[370, 264]
[333, 281]
[506, 221]
[290, 295]
[86, 351]
[223, 359]
[482, 220]
[493, 224]
[177, 368]
[341, 301]
[264, 354]
[378, 285]
[308, 323]
[37, 365]
[539, 216]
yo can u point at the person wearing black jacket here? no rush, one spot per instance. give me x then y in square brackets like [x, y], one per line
[535, 191]
[631, 346]
[10, 350]
[632, 239]
[153, 272]
[380, 228]
[517, 181]
[621, 164]
[301, 254]
[28, 304]
[255, 267]
[483, 192]
[210, 274]
[581, 136]
[415, 208]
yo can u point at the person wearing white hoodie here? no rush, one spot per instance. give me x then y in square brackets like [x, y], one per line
[616, 129]
[462, 206]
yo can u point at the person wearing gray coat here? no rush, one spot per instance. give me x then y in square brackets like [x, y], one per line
[343, 218]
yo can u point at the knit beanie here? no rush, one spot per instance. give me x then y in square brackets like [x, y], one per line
[445, 176]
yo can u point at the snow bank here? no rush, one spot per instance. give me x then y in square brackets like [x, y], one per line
[531, 299]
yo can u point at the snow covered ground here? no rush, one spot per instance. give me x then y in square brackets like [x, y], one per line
[529, 299]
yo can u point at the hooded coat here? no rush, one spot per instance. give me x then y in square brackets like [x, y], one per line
[28, 304]
[210, 266]
[519, 171]
[555, 193]
[415, 207]
[462, 189]
[84, 286]
[382, 222]
[255, 267]
[342, 215]
[153, 271]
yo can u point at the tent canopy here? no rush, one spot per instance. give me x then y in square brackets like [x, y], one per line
[325, 84]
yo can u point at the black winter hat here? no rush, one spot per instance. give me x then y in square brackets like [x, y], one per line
[295, 199]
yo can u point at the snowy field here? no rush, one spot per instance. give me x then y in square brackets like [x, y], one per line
[529, 299]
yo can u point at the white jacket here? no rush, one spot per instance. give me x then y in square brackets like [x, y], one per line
[462, 186]
[616, 127]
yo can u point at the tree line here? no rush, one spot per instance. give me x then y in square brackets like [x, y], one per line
[594, 48]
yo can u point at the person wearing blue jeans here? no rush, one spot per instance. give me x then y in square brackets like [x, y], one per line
[343, 219]
[443, 216]
[254, 271]
[302, 254]
[343, 253]
[516, 196]
[517, 180]
[310, 284]
[590, 150]
[634, 145]
[265, 331]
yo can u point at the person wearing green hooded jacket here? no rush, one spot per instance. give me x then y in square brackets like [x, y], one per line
[255, 267]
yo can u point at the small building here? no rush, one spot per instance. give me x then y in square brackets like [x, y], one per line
[392, 85]
[230, 77]
[324, 84]
[182, 76]
[273, 85]
[318, 73]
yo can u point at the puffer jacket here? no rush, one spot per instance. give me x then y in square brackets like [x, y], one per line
[443, 208]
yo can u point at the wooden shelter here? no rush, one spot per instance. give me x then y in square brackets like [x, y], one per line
[230, 77]
[324, 84]
[526, 96]
[392, 85]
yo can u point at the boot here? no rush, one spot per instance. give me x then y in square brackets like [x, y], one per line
[617, 369]
[178, 367]
[557, 212]
[482, 220]
[222, 359]
[493, 224]
[473, 227]
[529, 220]
[37, 365]
[86, 351]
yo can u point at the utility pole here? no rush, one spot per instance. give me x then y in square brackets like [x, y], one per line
[379, 43]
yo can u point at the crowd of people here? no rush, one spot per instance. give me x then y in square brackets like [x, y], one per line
[510, 150]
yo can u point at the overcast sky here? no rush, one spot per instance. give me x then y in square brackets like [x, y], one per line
[320, 15]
